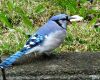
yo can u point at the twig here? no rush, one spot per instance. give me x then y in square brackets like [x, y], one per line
[3, 72]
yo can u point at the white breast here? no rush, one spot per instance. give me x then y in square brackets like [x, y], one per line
[52, 41]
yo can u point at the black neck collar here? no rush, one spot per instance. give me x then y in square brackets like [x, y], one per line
[59, 24]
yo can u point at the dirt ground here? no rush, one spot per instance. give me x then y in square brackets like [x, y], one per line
[65, 66]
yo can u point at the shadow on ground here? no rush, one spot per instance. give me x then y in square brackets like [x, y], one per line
[65, 66]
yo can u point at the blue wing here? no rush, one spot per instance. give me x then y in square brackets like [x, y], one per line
[31, 43]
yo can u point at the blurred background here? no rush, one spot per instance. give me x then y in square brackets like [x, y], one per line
[20, 18]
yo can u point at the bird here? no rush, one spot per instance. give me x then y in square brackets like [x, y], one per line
[48, 37]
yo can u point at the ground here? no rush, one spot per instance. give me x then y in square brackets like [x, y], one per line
[65, 66]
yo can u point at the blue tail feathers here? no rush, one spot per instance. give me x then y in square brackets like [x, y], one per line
[8, 62]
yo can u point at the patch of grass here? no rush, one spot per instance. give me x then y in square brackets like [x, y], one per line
[22, 17]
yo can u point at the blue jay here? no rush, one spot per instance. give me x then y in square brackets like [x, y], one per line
[47, 38]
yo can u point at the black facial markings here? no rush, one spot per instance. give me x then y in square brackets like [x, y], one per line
[57, 21]
[66, 18]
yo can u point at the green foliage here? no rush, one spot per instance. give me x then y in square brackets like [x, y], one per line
[25, 18]
[39, 9]
[10, 6]
[4, 19]
[12, 11]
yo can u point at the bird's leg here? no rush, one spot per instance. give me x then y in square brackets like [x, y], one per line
[48, 54]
